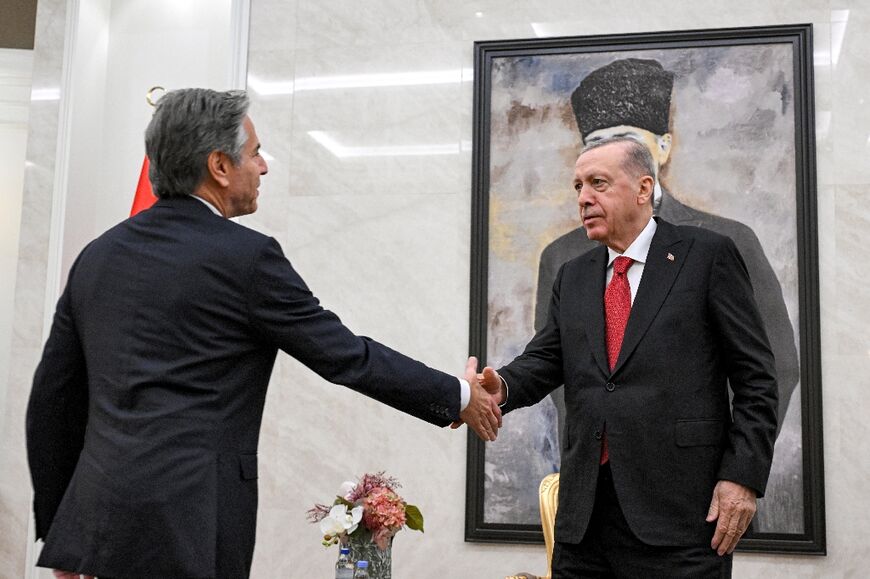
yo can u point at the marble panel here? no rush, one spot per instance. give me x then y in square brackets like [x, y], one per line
[273, 25]
[824, 102]
[397, 137]
[30, 284]
[396, 22]
[271, 73]
[852, 292]
[362, 256]
[850, 109]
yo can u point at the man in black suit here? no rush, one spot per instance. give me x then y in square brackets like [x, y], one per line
[655, 469]
[632, 98]
[144, 418]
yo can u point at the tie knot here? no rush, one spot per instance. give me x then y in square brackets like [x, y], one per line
[621, 264]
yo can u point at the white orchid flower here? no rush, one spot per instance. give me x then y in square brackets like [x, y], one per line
[340, 521]
[346, 488]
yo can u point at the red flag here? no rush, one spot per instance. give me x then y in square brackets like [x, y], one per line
[144, 195]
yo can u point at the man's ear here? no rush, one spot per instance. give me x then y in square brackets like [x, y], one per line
[218, 165]
[647, 186]
[664, 143]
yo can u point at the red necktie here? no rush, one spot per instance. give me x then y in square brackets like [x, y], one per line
[617, 307]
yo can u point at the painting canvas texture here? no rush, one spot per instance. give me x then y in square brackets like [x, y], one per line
[730, 166]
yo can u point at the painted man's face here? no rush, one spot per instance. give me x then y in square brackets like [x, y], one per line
[659, 145]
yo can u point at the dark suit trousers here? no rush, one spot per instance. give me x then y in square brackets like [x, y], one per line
[609, 550]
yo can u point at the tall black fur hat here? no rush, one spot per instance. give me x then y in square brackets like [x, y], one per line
[632, 91]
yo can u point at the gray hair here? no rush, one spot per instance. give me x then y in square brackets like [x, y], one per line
[637, 161]
[187, 126]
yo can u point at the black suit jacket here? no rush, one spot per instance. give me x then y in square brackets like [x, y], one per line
[767, 289]
[694, 325]
[144, 419]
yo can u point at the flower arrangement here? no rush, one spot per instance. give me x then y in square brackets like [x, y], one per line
[372, 501]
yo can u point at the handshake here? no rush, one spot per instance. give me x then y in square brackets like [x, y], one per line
[483, 414]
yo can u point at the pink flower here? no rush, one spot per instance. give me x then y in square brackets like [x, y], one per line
[370, 482]
[384, 514]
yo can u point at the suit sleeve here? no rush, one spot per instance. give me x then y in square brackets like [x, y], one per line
[57, 414]
[751, 372]
[286, 314]
[538, 370]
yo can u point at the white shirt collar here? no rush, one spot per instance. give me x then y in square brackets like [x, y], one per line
[639, 248]
[209, 205]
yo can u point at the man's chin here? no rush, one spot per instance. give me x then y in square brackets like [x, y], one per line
[592, 232]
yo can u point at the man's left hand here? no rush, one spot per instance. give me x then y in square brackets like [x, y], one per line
[734, 506]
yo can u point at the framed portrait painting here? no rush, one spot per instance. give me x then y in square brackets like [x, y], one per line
[728, 117]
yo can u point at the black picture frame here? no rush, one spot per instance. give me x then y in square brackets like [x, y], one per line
[796, 38]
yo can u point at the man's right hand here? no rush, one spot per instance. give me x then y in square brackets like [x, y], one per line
[482, 413]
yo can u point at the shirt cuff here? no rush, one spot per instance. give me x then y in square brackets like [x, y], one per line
[507, 390]
[464, 394]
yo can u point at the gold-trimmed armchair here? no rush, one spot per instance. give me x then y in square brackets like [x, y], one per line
[548, 498]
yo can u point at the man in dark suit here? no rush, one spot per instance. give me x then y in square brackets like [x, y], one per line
[632, 98]
[144, 418]
[655, 468]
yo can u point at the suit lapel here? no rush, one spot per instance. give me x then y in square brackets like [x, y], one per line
[592, 304]
[667, 253]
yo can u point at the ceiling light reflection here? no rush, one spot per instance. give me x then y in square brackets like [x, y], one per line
[388, 79]
[839, 20]
[343, 151]
[45, 94]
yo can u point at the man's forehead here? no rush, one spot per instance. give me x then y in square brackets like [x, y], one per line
[600, 156]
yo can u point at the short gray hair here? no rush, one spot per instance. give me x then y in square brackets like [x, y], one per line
[637, 160]
[187, 126]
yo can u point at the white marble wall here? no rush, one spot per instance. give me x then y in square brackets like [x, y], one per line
[384, 241]
[30, 287]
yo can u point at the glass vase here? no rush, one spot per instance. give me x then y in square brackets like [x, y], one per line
[362, 548]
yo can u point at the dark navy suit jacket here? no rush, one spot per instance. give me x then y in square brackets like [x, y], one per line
[144, 418]
[694, 326]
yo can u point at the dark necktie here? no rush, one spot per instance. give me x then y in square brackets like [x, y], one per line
[617, 307]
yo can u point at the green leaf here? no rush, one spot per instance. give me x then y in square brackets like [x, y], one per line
[343, 501]
[413, 518]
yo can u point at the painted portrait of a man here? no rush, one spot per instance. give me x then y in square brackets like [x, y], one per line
[719, 123]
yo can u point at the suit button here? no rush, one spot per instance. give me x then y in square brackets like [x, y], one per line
[597, 435]
[610, 386]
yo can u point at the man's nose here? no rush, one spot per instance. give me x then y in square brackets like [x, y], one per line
[265, 167]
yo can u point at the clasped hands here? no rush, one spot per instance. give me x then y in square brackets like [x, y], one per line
[482, 413]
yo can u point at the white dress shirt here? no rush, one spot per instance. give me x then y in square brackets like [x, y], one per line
[637, 251]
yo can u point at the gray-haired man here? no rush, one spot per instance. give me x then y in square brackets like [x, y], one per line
[144, 419]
